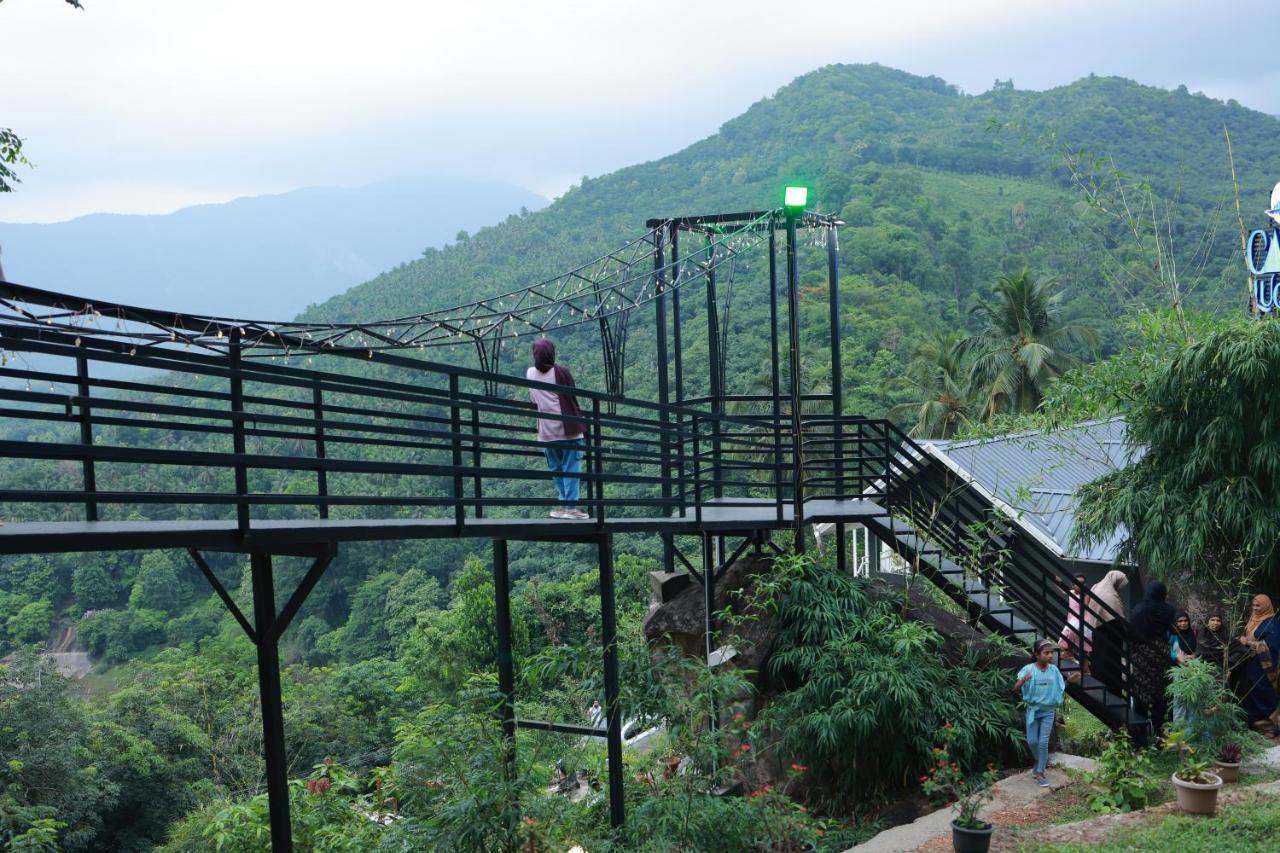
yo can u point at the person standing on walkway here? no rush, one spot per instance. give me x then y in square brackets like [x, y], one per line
[1261, 642]
[1042, 687]
[1104, 622]
[561, 436]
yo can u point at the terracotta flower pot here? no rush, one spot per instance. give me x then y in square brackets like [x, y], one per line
[1228, 772]
[1194, 798]
[966, 840]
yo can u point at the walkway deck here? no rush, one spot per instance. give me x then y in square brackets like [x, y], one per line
[730, 515]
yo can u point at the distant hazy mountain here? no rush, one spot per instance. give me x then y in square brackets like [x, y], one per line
[266, 257]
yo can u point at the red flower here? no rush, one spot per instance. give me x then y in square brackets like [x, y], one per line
[530, 821]
[746, 747]
[924, 778]
[799, 768]
[739, 716]
[946, 725]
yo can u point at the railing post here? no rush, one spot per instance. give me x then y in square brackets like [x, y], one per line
[455, 439]
[322, 475]
[476, 484]
[598, 455]
[697, 471]
[86, 437]
[237, 437]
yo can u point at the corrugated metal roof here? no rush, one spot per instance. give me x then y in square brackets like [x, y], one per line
[1038, 474]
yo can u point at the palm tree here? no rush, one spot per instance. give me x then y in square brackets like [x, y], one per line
[1023, 345]
[938, 369]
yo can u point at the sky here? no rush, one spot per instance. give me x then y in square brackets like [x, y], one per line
[146, 106]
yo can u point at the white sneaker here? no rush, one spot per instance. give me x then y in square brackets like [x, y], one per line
[575, 513]
[560, 513]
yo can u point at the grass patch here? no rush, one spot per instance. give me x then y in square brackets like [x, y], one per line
[1082, 733]
[1244, 826]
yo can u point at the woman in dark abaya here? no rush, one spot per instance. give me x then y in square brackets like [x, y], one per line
[1261, 642]
[1149, 629]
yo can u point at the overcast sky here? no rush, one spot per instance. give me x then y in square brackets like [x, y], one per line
[138, 106]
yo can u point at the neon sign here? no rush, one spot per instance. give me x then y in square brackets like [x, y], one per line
[1262, 257]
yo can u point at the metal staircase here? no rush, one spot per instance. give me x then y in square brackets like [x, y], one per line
[1005, 579]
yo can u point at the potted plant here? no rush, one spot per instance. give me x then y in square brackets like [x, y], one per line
[1227, 762]
[1197, 788]
[947, 783]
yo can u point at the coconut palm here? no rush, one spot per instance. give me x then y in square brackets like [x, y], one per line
[1023, 345]
[939, 371]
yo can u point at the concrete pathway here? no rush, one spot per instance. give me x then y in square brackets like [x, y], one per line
[1011, 792]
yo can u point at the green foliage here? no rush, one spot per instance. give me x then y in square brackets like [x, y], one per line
[10, 156]
[1123, 780]
[93, 586]
[31, 623]
[115, 635]
[158, 585]
[868, 688]
[1023, 343]
[1201, 503]
[947, 783]
[1214, 716]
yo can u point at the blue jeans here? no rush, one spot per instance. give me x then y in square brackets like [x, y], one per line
[565, 457]
[1039, 726]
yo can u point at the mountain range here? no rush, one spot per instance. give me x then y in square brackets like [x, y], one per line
[265, 257]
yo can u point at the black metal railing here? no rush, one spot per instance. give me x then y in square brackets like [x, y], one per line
[1030, 582]
[182, 434]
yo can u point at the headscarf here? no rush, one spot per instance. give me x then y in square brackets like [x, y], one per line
[1187, 638]
[1106, 591]
[1213, 642]
[1256, 619]
[1153, 617]
[544, 359]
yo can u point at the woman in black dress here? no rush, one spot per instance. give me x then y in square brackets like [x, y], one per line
[1149, 628]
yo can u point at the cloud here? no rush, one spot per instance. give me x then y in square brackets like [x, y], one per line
[164, 101]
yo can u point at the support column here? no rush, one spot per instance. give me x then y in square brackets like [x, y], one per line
[506, 665]
[714, 373]
[797, 449]
[837, 387]
[612, 708]
[664, 392]
[264, 618]
[775, 368]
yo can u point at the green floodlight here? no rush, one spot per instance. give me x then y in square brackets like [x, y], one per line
[794, 199]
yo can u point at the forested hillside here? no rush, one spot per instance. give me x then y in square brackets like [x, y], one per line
[942, 194]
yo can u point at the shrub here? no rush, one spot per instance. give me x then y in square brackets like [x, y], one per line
[868, 688]
[1122, 782]
[1214, 718]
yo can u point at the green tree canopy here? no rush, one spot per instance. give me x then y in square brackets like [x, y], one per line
[1202, 502]
[1023, 344]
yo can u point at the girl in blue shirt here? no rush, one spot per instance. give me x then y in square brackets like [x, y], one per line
[1042, 686]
